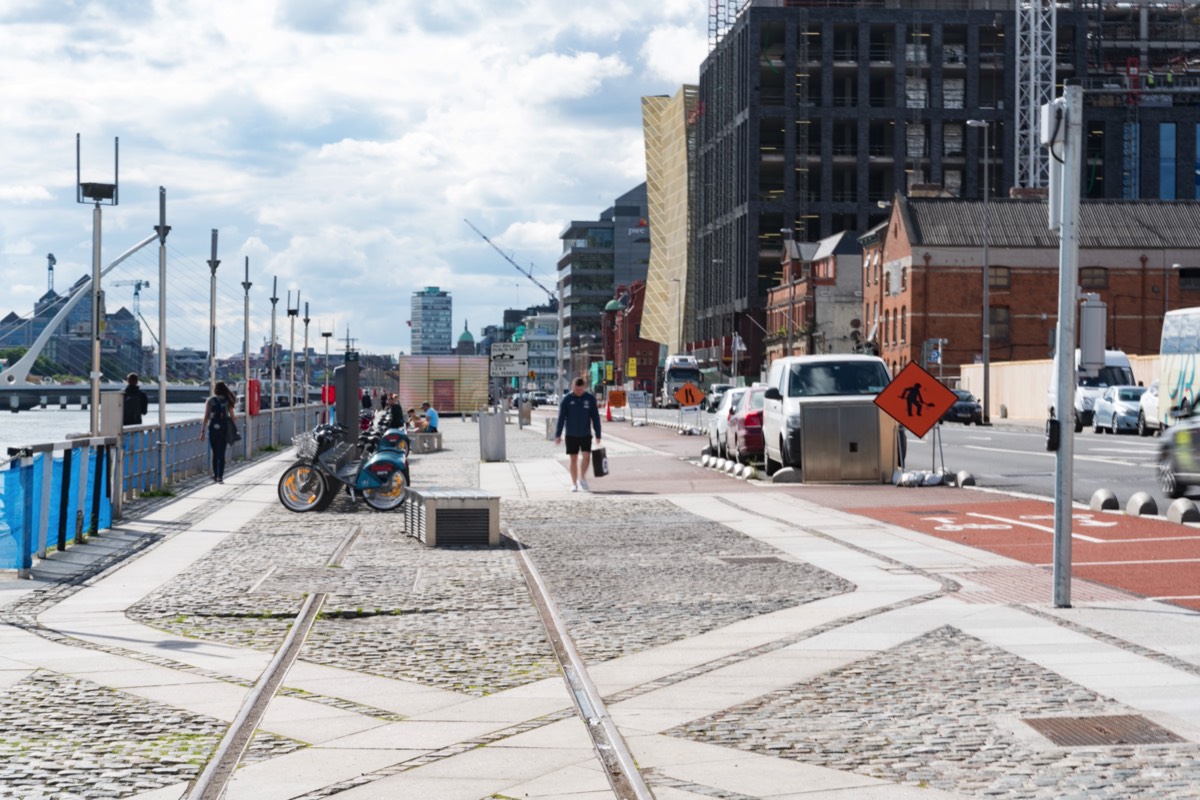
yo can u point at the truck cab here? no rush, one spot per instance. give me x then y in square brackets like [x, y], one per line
[679, 370]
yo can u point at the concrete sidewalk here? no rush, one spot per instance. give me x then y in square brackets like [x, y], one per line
[747, 642]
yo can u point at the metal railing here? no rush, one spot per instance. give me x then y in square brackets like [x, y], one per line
[53, 494]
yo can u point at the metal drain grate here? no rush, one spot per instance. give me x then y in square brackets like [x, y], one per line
[1101, 731]
[751, 559]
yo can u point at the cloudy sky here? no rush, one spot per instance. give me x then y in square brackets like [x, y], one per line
[339, 144]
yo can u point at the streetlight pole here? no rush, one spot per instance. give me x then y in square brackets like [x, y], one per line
[271, 356]
[162, 229]
[98, 194]
[292, 314]
[987, 277]
[213, 263]
[327, 335]
[248, 419]
[307, 377]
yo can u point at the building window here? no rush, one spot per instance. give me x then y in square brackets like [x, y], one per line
[903, 324]
[1001, 324]
[999, 278]
[1166, 161]
[887, 321]
[1093, 277]
[903, 278]
[895, 318]
[1189, 278]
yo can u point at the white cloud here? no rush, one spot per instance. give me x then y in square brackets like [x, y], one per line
[339, 145]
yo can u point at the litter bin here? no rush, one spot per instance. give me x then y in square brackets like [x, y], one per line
[491, 436]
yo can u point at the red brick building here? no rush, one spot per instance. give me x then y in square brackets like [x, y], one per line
[923, 275]
[623, 340]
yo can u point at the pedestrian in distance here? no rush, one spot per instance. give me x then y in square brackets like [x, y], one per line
[366, 400]
[579, 415]
[431, 417]
[136, 402]
[218, 425]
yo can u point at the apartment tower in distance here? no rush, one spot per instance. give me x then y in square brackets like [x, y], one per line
[813, 116]
[431, 312]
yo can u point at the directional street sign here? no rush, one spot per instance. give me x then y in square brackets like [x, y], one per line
[915, 399]
[509, 359]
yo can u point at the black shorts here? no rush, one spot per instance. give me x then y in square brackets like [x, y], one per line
[577, 444]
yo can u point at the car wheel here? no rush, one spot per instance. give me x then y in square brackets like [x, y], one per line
[1167, 482]
[1141, 425]
[1114, 428]
[770, 466]
[1078, 424]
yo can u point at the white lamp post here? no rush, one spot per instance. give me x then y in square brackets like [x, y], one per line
[987, 310]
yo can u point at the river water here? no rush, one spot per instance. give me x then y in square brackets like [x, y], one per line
[54, 424]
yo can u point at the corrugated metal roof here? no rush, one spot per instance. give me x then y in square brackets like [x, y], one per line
[1137, 224]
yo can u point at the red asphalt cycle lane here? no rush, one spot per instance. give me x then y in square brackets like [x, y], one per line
[1149, 557]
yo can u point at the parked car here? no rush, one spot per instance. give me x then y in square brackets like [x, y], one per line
[1179, 457]
[713, 398]
[800, 387]
[540, 398]
[718, 426]
[966, 409]
[1149, 420]
[1117, 409]
[744, 439]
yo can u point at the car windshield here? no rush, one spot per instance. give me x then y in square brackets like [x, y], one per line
[1108, 376]
[1132, 394]
[965, 396]
[830, 378]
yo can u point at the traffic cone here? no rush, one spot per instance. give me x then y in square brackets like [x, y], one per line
[607, 413]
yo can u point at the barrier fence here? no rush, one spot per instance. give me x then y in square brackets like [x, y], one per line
[54, 494]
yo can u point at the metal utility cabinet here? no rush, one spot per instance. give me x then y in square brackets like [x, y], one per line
[847, 441]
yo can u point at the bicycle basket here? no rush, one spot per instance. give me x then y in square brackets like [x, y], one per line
[306, 445]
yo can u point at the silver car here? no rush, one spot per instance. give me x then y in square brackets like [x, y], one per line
[1149, 419]
[1117, 408]
[718, 426]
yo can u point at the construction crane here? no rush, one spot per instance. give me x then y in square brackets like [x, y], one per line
[137, 285]
[553, 298]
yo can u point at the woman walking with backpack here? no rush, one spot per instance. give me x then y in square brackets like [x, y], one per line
[218, 423]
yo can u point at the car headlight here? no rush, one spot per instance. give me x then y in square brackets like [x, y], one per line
[1087, 403]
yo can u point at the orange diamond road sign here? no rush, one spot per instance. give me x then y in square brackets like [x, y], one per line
[689, 395]
[915, 399]
[616, 398]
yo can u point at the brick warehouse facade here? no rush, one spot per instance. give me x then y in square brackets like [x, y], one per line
[923, 275]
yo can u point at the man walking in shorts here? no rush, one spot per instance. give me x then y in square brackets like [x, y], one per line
[579, 414]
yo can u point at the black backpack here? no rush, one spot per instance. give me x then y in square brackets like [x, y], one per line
[217, 414]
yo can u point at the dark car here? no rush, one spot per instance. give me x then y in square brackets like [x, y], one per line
[966, 409]
[744, 439]
[1179, 457]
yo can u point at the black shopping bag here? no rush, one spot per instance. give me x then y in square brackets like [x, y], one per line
[599, 462]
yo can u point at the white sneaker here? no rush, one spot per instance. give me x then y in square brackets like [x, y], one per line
[583, 485]
[574, 487]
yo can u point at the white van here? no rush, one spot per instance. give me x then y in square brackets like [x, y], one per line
[1117, 371]
[797, 382]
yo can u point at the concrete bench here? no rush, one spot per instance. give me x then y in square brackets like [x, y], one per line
[452, 516]
[426, 442]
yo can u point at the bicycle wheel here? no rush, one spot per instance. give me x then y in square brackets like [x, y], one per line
[301, 487]
[389, 496]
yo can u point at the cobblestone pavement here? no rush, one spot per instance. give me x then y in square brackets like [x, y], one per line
[628, 573]
[944, 710]
[68, 739]
[631, 574]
